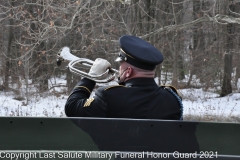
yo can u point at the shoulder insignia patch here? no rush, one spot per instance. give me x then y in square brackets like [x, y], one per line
[88, 102]
[172, 88]
[113, 87]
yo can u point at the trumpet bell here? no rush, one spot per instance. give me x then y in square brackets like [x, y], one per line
[66, 60]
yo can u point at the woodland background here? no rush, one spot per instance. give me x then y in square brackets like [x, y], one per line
[200, 40]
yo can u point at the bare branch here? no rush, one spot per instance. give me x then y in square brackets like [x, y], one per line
[223, 18]
[227, 19]
[78, 10]
[238, 14]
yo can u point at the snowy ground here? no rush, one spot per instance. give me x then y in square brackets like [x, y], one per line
[198, 105]
[207, 106]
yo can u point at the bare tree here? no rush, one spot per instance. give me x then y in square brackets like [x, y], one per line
[192, 35]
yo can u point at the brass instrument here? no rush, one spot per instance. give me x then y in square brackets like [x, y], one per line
[66, 60]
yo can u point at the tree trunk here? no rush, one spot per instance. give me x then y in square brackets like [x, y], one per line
[8, 38]
[198, 42]
[226, 85]
[237, 76]
[177, 44]
[181, 72]
[42, 72]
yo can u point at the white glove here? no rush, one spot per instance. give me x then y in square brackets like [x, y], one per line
[99, 67]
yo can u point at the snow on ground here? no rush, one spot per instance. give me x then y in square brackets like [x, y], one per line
[50, 106]
[196, 102]
[199, 103]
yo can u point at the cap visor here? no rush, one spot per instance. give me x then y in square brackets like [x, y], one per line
[119, 59]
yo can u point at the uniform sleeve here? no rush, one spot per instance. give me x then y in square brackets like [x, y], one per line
[80, 105]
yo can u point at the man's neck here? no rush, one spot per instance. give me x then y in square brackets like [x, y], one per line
[142, 75]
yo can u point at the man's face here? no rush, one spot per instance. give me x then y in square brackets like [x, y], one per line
[123, 66]
[120, 68]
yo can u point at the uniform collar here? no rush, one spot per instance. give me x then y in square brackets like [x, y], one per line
[140, 82]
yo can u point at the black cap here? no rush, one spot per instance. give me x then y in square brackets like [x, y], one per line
[138, 53]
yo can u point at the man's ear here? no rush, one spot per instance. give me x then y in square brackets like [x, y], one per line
[129, 72]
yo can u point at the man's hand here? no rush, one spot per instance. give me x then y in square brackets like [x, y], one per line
[99, 67]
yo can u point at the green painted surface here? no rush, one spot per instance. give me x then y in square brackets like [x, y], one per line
[223, 138]
[55, 138]
[42, 133]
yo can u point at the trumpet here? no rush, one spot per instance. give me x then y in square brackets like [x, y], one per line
[66, 60]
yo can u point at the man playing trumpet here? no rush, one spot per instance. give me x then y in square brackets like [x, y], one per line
[137, 95]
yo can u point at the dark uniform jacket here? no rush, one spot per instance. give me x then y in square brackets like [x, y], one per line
[139, 98]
